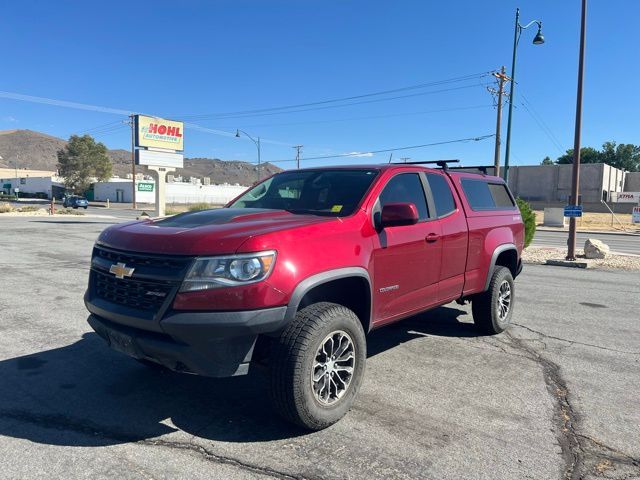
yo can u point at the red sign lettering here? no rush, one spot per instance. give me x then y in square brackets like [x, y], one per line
[165, 130]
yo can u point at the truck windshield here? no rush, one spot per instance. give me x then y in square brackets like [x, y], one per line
[335, 193]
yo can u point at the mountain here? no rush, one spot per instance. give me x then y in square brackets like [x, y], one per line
[36, 150]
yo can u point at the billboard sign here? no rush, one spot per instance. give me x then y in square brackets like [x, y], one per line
[157, 132]
[625, 197]
[159, 159]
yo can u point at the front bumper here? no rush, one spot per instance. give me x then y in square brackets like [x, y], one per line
[214, 344]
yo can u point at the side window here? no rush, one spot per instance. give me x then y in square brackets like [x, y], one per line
[501, 196]
[486, 196]
[442, 196]
[406, 188]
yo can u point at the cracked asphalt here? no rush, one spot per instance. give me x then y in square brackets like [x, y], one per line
[554, 398]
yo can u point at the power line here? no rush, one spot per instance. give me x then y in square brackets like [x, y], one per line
[386, 150]
[342, 99]
[326, 107]
[368, 117]
[115, 111]
[528, 106]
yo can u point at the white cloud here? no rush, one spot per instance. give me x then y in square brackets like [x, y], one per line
[360, 154]
[9, 119]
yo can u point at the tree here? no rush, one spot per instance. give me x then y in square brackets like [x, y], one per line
[529, 219]
[587, 155]
[82, 159]
[623, 156]
[546, 161]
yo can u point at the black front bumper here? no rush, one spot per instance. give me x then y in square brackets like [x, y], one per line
[214, 344]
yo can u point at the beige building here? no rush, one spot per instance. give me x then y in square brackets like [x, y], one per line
[24, 173]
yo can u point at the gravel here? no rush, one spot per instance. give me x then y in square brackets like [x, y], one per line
[540, 255]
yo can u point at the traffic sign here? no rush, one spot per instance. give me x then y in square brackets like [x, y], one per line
[573, 211]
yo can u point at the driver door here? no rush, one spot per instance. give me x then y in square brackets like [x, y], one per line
[406, 259]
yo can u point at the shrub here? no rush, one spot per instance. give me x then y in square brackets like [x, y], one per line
[68, 211]
[29, 208]
[5, 207]
[529, 219]
[200, 206]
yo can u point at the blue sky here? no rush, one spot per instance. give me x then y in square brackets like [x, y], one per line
[196, 59]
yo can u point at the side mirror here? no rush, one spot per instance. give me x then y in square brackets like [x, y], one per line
[398, 214]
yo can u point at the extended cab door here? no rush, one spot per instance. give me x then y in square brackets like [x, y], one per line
[406, 259]
[454, 237]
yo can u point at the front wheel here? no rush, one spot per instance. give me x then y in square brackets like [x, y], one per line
[492, 310]
[317, 365]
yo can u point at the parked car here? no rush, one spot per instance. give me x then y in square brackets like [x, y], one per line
[75, 201]
[297, 271]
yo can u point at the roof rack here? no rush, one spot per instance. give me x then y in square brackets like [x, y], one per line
[441, 163]
[482, 168]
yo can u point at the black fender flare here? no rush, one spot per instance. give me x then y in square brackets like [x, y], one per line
[494, 258]
[313, 281]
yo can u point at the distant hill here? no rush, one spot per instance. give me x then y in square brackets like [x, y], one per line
[36, 150]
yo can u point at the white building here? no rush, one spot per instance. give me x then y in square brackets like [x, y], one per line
[43, 187]
[119, 190]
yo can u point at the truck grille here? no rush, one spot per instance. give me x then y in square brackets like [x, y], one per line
[131, 293]
[153, 283]
[138, 260]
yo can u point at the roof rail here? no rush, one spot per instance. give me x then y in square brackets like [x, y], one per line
[441, 163]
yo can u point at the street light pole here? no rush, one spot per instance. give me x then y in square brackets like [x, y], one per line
[256, 141]
[575, 183]
[537, 40]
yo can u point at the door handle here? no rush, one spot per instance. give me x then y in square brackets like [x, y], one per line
[432, 237]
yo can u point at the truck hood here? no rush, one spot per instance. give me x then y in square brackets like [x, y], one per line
[207, 232]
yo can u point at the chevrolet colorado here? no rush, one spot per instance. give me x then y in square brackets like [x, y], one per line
[297, 270]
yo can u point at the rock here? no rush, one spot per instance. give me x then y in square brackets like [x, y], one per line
[594, 248]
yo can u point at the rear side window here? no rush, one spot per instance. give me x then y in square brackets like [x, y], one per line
[486, 196]
[442, 195]
[406, 188]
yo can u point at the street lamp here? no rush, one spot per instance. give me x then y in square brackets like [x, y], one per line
[537, 40]
[255, 141]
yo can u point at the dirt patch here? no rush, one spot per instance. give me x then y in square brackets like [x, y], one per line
[599, 222]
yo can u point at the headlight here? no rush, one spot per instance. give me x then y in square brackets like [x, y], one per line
[228, 271]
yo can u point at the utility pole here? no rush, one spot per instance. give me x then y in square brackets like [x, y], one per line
[17, 185]
[404, 159]
[133, 160]
[298, 147]
[575, 184]
[501, 77]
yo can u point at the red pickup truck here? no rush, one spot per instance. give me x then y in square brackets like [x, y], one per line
[296, 271]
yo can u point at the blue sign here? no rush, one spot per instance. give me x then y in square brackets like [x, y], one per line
[573, 211]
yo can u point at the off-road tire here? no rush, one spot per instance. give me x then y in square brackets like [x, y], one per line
[291, 365]
[485, 306]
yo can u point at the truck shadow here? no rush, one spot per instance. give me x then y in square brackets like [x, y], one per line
[84, 394]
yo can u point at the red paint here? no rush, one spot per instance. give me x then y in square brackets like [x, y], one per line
[412, 267]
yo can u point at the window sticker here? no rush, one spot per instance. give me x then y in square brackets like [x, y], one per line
[336, 208]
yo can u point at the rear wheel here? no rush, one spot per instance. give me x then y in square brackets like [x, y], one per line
[492, 310]
[317, 365]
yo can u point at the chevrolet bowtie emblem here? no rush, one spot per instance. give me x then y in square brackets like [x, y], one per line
[120, 270]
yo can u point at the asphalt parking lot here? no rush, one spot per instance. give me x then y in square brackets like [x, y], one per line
[556, 397]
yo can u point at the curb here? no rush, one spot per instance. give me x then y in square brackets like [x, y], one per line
[591, 232]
